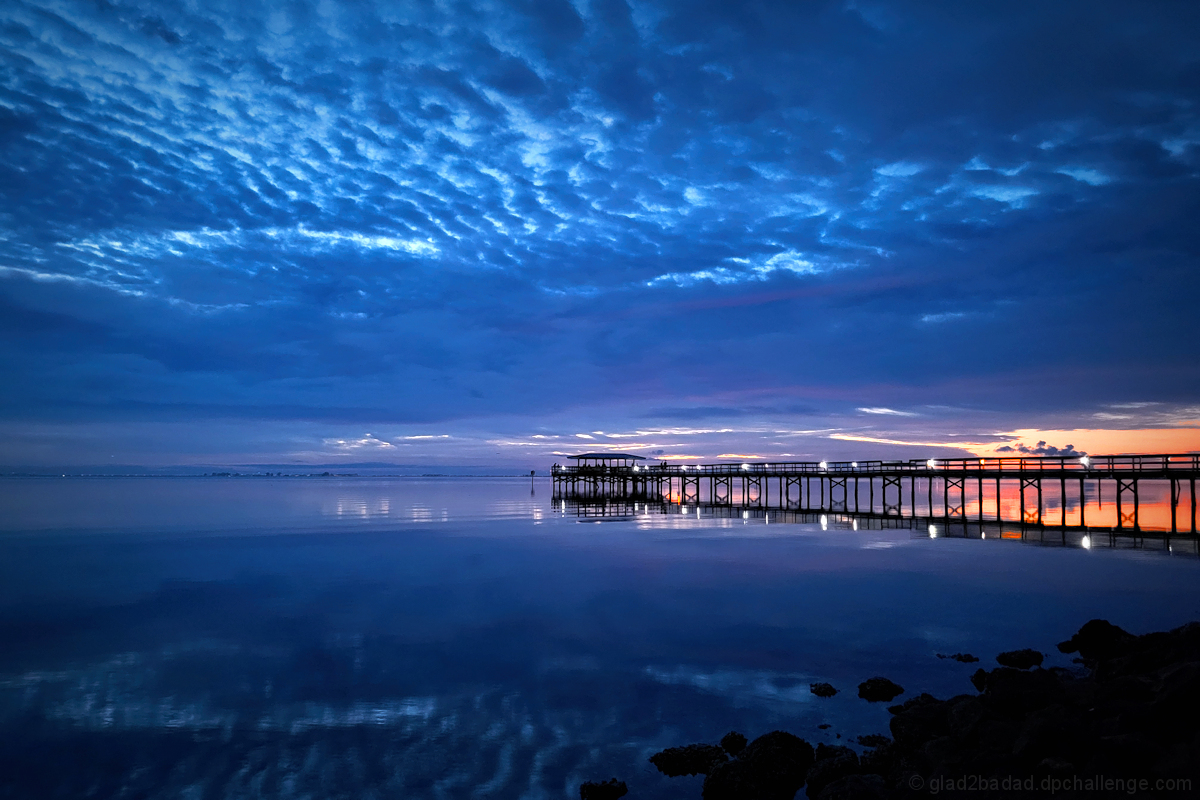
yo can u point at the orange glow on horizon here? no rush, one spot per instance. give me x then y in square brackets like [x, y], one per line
[1101, 441]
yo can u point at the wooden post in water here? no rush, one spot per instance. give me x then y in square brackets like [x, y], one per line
[1137, 525]
[1174, 507]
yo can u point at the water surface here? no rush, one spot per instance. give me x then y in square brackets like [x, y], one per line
[409, 638]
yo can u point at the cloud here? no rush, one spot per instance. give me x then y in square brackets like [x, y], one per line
[426, 214]
[1041, 449]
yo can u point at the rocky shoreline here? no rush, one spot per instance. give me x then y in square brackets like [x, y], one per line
[1127, 724]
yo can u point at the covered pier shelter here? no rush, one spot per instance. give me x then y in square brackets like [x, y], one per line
[600, 474]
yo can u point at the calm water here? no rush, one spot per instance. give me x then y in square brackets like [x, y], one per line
[415, 638]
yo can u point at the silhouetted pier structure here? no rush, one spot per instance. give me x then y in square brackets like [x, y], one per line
[839, 486]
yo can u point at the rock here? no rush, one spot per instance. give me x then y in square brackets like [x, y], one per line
[873, 740]
[1055, 768]
[1172, 715]
[996, 735]
[824, 726]
[607, 790]
[962, 658]
[1014, 692]
[856, 787]
[822, 689]
[964, 716]
[1130, 714]
[1125, 755]
[733, 743]
[916, 722]
[692, 759]
[1052, 732]
[877, 690]
[833, 763]
[1020, 659]
[772, 767]
[1098, 639]
[923, 699]
[825, 752]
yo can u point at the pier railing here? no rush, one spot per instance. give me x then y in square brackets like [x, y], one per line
[1180, 464]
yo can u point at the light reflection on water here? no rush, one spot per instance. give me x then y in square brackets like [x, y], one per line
[426, 638]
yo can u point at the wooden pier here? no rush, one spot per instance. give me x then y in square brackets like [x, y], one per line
[895, 489]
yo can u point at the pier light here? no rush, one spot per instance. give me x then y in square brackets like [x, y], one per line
[823, 465]
[854, 523]
[1086, 542]
[931, 464]
[635, 467]
[824, 522]
[933, 531]
[854, 464]
[745, 466]
[683, 467]
[1085, 461]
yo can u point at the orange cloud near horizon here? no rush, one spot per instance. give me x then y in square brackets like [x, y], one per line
[1098, 441]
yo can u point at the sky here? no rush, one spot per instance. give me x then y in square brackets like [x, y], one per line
[496, 233]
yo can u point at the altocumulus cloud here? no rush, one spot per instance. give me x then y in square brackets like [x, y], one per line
[407, 212]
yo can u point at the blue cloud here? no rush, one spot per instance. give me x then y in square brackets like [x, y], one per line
[416, 212]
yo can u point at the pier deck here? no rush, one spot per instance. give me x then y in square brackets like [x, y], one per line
[837, 486]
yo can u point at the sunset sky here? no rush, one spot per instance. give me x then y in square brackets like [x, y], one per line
[463, 233]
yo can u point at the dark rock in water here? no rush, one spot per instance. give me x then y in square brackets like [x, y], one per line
[1053, 732]
[1020, 659]
[923, 699]
[833, 763]
[607, 790]
[1098, 639]
[856, 787]
[1016, 691]
[824, 726]
[772, 767]
[873, 740]
[962, 658]
[1131, 715]
[877, 690]
[822, 689]
[1172, 713]
[964, 715]
[825, 752]
[920, 719]
[693, 759]
[733, 742]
